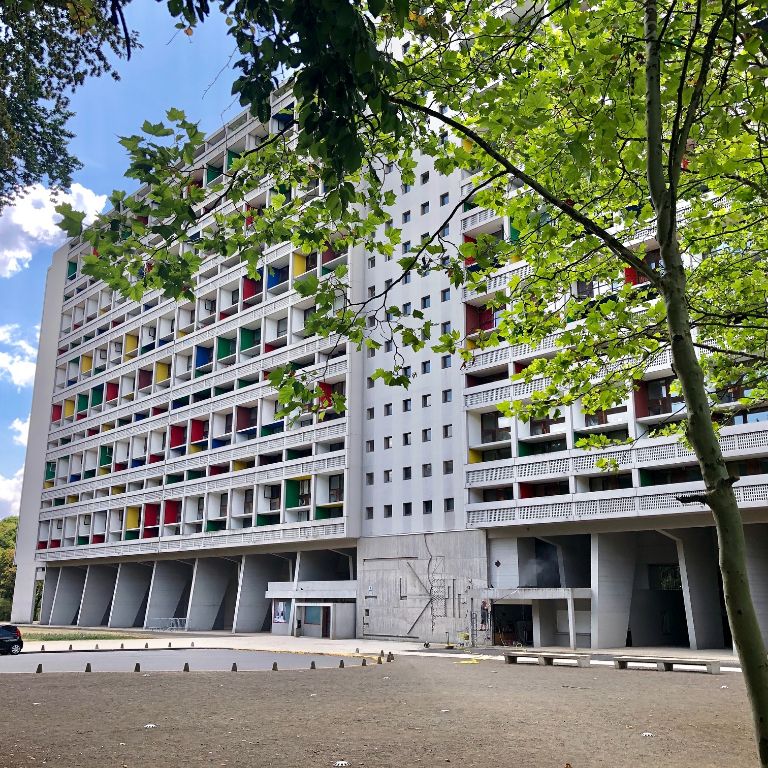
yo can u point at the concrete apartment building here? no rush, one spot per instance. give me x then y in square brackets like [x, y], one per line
[161, 489]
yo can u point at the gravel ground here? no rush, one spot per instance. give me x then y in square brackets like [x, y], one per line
[415, 711]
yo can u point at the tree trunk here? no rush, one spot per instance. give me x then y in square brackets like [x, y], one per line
[745, 630]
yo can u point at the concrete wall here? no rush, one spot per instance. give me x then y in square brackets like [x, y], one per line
[757, 569]
[505, 575]
[49, 592]
[97, 595]
[322, 565]
[394, 596]
[613, 570]
[169, 595]
[253, 613]
[214, 593]
[69, 592]
[343, 620]
[131, 593]
[574, 559]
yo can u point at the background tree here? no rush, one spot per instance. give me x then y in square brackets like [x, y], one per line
[8, 529]
[589, 127]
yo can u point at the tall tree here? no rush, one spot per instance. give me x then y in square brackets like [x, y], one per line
[590, 127]
[8, 528]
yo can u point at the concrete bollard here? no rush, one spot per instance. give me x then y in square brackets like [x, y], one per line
[169, 645]
[312, 665]
[341, 663]
[192, 644]
[70, 646]
[42, 649]
[381, 652]
[137, 667]
[39, 669]
[97, 647]
[234, 666]
[390, 656]
[357, 650]
[122, 646]
[186, 667]
[274, 666]
[146, 645]
[364, 664]
[378, 661]
[88, 667]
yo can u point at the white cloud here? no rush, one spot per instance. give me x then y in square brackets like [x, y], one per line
[31, 222]
[17, 357]
[10, 493]
[21, 428]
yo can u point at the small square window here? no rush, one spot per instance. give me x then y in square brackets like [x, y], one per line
[388, 168]
[442, 138]
[407, 371]
[445, 198]
[445, 230]
[387, 409]
[426, 401]
[445, 361]
[369, 383]
[370, 321]
[426, 507]
[407, 509]
[406, 277]
[406, 217]
[426, 435]
[387, 510]
[370, 352]
[448, 504]
[407, 308]
[426, 470]
[369, 513]
[371, 291]
[425, 237]
[371, 262]
[447, 430]
[406, 46]
[369, 446]
[387, 475]
[388, 283]
[425, 177]
[388, 442]
[445, 294]
[407, 405]
[425, 302]
[443, 109]
[445, 327]
[406, 438]
[447, 395]
[388, 225]
[448, 467]
[426, 366]
[406, 247]
[405, 188]
[369, 413]
[406, 473]
[369, 478]
[388, 345]
[425, 207]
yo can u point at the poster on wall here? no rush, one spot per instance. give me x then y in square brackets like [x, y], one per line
[280, 612]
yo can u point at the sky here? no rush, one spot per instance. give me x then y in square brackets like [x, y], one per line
[171, 70]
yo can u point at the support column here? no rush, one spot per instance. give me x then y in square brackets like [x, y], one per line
[571, 622]
[97, 595]
[253, 612]
[69, 592]
[757, 568]
[613, 574]
[49, 592]
[212, 601]
[129, 603]
[169, 595]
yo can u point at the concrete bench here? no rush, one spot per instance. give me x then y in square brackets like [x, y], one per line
[665, 664]
[546, 658]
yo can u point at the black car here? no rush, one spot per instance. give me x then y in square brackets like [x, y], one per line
[10, 639]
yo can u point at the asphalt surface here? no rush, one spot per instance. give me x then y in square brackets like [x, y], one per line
[172, 660]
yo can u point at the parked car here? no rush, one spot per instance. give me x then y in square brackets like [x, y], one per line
[10, 639]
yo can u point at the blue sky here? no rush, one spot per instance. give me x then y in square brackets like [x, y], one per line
[172, 70]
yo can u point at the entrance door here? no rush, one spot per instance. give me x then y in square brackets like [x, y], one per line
[326, 622]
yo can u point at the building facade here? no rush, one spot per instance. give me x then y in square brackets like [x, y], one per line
[162, 490]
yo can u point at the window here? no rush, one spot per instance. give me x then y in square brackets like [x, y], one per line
[388, 168]
[445, 198]
[407, 406]
[442, 138]
[405, 188]
[445, 361]
[388, 225]
[425, 177]
[387, 510]
[426, 435]
[388, 442]
[369, 513]
[370, 352]
[448, 467]
[445, 294]
[445, 230]
[445, 327]
[407, 371]
[371, 262]
[447, 395]
[406, 46]
[282, 326]
[426, 507]
[370, 321]
[447, 430]
[369, 413]
[388, 345]
[407, 308]
[369, 383]
[426, 401]
[406, 473]
[406, 217]
[369, 446]
[371, 291]
[443, 109]
[387, 409]
[388, 283]
[406, 438]
[426, 470]
[426, 366]
[369, 478]
[406, 247]
[448, 504]
[407, 509]
[425, 237]
[425, 302]
[387, 475]
[407, 275]
[425, 207]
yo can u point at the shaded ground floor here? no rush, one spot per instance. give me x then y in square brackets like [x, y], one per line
[414, 711]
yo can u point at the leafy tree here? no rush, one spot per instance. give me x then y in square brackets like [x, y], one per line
[8, 529]
[589, 127]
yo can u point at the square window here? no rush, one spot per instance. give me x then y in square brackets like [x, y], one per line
[388, 283]
[406, 217]
[387, 475]
[426, 470]
[371, 291]
[406, 46]
[369, 478]
[426, 401]
[448, 504]
[447, 430]
[425, 177]
[445, 230]
[388, 442]
[426, 366]
[388, 168]
[407, 371]
[442, 138]
[407, 308]
[425, 302]
[426, 435]
[445, 327]
[445, 294]
[445, 198]
[369, 413]
[407, 276]
[388, 345]
[406, 247]
[447, 395]
[405, 188]
[370, 352]
[426, 507]
[369, 446]
[407, 405]
[443, 109]
[445, 361]
[369, 383]
[425, 207]
[448, 467]
[406, 438]
[371, 262]
[387, 510]
[369, 513]
[388, 225]
[425, 236]
[387, 409]
[406, 473]
[370, 321]
[407, 509]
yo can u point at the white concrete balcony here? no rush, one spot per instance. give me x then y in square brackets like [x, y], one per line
[236, 539]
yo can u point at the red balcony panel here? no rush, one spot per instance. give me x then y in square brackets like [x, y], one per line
[98, 538]
[178, 436]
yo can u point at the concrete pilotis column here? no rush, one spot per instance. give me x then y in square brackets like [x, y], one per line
[69, 592]
[757, 568]
[613, 574]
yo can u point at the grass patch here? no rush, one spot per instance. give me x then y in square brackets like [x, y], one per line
[44, 635]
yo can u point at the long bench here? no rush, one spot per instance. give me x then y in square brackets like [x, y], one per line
[546, 658]
[666, 664]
